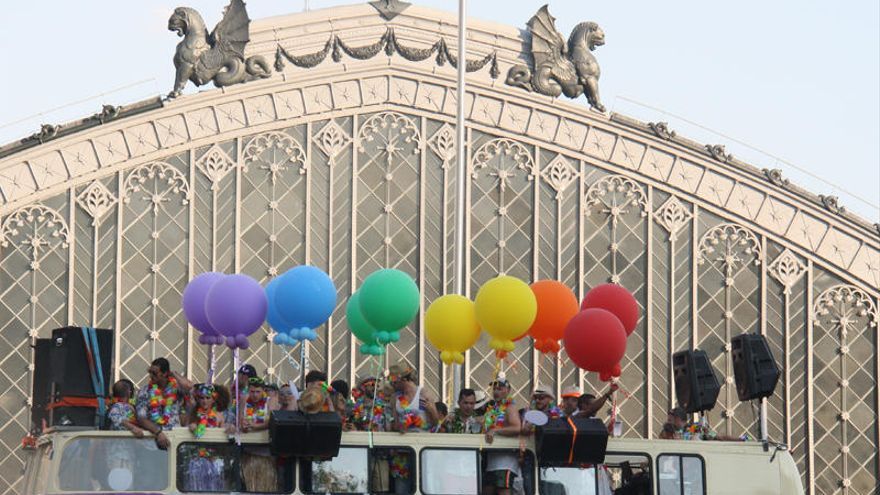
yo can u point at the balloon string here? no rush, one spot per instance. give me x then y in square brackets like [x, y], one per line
[495, 373]
[213, 362]
[375, 394]
[235, 363]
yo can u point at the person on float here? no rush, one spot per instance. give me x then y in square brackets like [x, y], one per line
[502, 468]
[257, 407]
[159, 401]
[258, 467]
[369, 411]
[210, 403]
[687, 429]
[339, 397]
[570, 397]
[120, 454]
[414, 411]
[589, 405]
[121, 415]
[315, 378]
[543, 401]
[463, 419]
[245, 373]
[287, 400]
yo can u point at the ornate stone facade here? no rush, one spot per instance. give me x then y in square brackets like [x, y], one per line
[350, 167]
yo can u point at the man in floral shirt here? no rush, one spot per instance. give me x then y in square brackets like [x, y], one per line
[463, 419]
[159, 401]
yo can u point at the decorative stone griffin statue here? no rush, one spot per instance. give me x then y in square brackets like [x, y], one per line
[560, 67]
[219, 56]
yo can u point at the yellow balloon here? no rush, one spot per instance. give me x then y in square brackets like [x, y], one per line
[506, 308]
[451, 326]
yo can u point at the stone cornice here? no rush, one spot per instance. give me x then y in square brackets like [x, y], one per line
[681, 166]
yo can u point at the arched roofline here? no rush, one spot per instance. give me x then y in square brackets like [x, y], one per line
[41, 168]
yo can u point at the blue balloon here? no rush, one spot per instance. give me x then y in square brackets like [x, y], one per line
[278, 339]
[273, 318]
[305, 297]
[307, 334]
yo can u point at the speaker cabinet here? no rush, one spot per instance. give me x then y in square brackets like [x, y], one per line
[70, 367]
[71, 378]
[296, 434]
[42, 387]
[754, 368]
[696, 385]
[558, 443]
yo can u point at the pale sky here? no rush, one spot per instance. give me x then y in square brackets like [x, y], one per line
[798, 79]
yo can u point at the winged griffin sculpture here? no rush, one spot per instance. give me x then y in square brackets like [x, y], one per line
[218, 56]
[560, 67]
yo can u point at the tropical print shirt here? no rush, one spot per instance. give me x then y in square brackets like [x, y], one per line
[456, 423]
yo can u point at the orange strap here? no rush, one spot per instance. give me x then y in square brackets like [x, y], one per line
[574, 435]
[74, 402]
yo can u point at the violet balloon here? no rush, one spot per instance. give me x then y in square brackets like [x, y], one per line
[236, 305]
[193, 302]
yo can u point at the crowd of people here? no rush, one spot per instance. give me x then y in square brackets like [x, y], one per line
[394, 402]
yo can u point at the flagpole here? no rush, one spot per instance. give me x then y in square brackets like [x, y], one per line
[460, 177]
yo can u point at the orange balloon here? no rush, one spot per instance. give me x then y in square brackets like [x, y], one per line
[557, 305]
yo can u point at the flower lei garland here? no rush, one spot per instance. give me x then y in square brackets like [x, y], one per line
[162, 402]
[411, 419]
[400, 466]
[209, 419]
[497, 415]
[555, 413]
[359, 412]
[256, 412]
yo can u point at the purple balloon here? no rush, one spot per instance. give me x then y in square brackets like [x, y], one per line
[203, 339]
[236, 305]
[194, 301]
[242, 341]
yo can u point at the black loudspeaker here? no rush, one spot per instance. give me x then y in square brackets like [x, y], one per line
[297, 434]
[696, 385]
[73, 398]
[754, 368]
[71, 375]
[560, 443]
[42, 388]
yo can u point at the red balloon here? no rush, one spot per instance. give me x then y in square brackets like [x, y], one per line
[615, 370]
[616, 299]
[605, 376]
[595, 340]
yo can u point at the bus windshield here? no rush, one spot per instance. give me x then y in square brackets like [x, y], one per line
[112, 465]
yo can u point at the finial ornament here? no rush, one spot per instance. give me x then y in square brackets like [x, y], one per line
[389, 9]
[218, 56]
[560, 67]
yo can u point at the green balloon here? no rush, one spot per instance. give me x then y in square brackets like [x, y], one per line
[356, 322]
[389, 299]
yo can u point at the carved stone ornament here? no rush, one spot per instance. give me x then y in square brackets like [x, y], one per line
[46, 132]
[45, 228]
[389, 9]
[107, 113]
[673, 216]
[560, 67]
[774, 175]
[661, 130]
[560, 174]
[214, 164]
[717, 152]
[218, 56]
[788, 269]
[96, 200]
[387, 43]
[832, 204]
[841, 305]
[731, 245]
